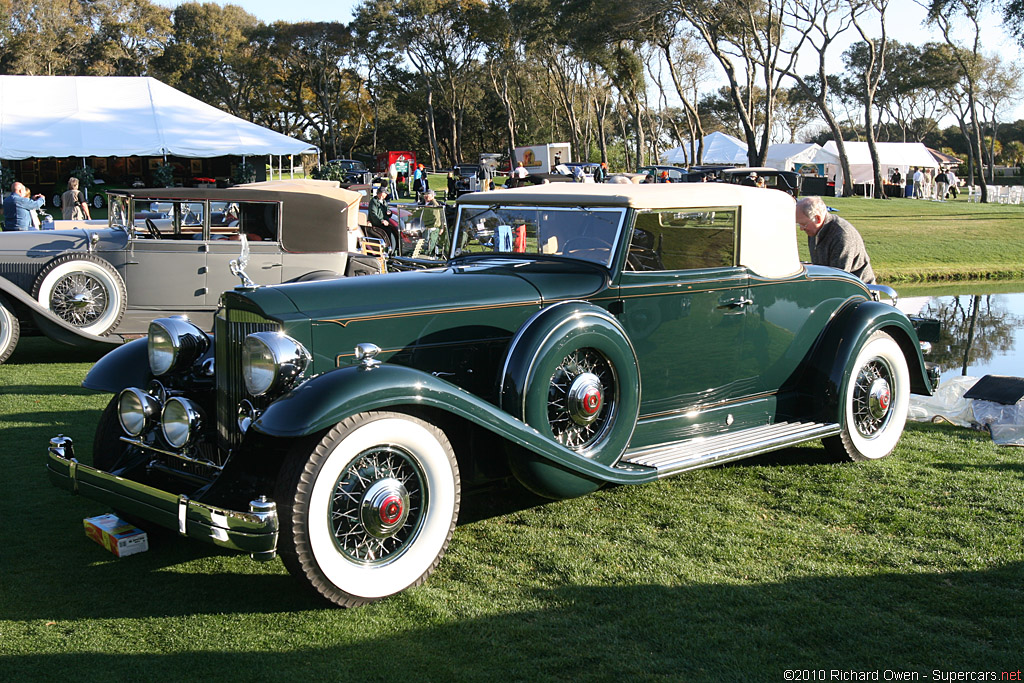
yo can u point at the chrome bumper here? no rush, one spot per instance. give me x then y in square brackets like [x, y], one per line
[253, 531]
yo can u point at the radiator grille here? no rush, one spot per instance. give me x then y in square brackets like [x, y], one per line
[230, 329]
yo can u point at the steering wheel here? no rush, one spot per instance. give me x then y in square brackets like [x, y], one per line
[154, 231]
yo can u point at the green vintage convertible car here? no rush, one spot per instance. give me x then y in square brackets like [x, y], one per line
[573, 336]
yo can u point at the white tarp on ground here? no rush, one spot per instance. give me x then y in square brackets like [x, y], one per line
[83, 116]
[891, 155]
[719, 148]
[791, 156]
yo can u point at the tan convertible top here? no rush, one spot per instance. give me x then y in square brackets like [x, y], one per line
[767, 216]
[644, 196]
[317, 215]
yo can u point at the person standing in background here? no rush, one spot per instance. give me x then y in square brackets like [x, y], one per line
[73, 206]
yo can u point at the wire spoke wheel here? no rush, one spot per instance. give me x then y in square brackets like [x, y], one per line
[79, 299]
[872, 397]
[377, 504]
[582, 399]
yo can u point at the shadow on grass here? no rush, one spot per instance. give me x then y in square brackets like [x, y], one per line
[46, 390]
[43, 350]
[898, 622]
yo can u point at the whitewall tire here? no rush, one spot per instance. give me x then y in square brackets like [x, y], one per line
[82, 290]
[370, 510]
[10, 331]
[875, 404]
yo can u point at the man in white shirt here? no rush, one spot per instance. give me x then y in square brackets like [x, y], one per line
[520, 170]
[918, 184]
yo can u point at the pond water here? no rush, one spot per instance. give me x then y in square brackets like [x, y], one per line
[982, 334]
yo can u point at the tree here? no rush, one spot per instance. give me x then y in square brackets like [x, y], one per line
[129, 35]
[320, 84]
[999, 88]
[49, 37]
[211, 57]
[871, 74]
[746, 37]
[942, 13]
[819, 23]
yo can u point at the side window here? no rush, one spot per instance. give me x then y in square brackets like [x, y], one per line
[258, 220]
[683, 239]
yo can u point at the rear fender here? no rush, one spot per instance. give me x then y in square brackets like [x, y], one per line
[323, 401]
[837, 348]
[52, 326]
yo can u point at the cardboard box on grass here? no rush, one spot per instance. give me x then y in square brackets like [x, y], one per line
[116, 535]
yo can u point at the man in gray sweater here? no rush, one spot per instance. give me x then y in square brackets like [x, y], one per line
[832, 240]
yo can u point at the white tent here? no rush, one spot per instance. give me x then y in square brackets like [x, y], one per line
[891, 155]
[82, 116]
[676, 155]
[791, 156]
[719, 148]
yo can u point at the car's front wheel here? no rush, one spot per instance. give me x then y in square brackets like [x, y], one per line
[368, 511]
[98, 200]
[10, 331]
[82, 290]
[874, 408]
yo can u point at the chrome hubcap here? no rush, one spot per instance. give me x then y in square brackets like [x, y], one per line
[585, 398]
[879, 397]
[385, 507]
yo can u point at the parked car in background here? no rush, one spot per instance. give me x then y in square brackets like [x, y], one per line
[470, 178]
[676, 174]
[787, 181]
[165, 251]
[575, 336]
[356, 172]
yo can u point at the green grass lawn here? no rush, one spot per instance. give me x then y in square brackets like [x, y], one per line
[787, 561]
[915, 240]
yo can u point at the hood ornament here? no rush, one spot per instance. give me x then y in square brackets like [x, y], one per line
[238, 265]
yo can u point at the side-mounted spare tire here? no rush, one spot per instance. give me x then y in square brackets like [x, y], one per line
[572, 374]
[82, 290]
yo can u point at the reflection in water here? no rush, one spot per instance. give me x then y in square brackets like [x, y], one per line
[979, 332]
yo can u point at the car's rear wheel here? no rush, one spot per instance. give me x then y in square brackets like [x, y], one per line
[98, 201]
[875, 403]
[10, 330]
[83, 290]
[369, 510]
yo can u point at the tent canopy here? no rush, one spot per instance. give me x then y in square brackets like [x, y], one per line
[891, 155]
[790, 156]
[83, 116]
[719, 148]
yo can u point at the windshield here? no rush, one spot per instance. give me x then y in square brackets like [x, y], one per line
[586, 234]
[117, 213]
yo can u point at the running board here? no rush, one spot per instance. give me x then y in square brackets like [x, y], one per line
[673, 458]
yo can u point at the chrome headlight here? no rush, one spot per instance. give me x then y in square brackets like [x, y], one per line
[174, 343]
[180, 421]
[271, 360]
[135, 409]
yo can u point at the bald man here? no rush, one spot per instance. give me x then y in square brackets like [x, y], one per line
[17, 206]
[833, 241]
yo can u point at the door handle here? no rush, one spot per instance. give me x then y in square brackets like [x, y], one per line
[736, 303]
[267, 266]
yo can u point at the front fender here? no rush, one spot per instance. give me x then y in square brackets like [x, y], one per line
[52, 326]
[325, 400]
[125, 366]
[847, 332]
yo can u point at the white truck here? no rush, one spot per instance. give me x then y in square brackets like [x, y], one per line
[542, 158]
